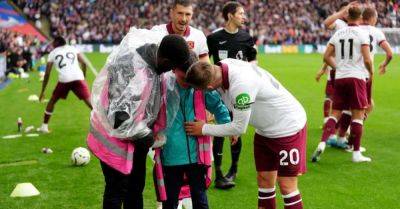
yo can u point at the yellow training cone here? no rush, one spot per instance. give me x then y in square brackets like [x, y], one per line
[25, 190]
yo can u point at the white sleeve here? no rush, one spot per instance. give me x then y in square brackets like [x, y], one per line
[364, 38]
[238, 125]
[50, 58]
[339, 24]
[244, 96]
[332, 40]
[156, 28]
[380, 37]
[75, 50]
[203, 48]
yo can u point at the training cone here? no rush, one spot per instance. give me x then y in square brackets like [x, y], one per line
[25, 190]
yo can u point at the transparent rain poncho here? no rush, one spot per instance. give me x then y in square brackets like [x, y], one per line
[128, 85]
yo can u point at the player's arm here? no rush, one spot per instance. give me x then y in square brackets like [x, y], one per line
[329, 56]
[329, 22]
[46, 79]
[81, 60]
[389, 55]
[241, 116]
[238, 126]
[323, 70]
[367, 59]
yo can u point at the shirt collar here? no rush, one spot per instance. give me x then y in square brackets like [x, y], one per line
[171, 30]
[225, 75]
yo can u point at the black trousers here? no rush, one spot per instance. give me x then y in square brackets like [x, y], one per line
[174, 179]
[125, 190]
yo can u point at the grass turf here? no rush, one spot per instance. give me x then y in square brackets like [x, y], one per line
[334, 182]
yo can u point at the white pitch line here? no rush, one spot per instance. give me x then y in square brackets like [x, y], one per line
[90, 65]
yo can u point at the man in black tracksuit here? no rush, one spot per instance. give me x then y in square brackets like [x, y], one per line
[230, 42]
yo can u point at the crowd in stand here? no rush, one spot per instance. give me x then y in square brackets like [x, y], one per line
[269, 21]
[21, 51]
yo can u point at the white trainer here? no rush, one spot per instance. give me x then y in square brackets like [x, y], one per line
[43, 129]
[359, 158]
[351, 148]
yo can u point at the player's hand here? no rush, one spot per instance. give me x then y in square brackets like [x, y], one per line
[159, 140]
[194, 128]
[371, 76]
[210, 117]
[382, 69]
[318, 76]
[351, 4]
[41, 97]
[344, 12]
[234, 139]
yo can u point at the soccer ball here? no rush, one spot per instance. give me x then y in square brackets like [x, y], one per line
[80, 156]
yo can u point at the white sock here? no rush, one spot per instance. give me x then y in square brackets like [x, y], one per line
[187, 203]
[356, 154]
[45, 126]
[326, 119]
[321, 146]
[180, 204]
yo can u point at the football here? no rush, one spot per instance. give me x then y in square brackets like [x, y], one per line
[80, 156]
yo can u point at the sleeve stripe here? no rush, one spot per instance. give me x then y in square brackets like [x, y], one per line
[203, 55]
[380, 42]
[364, 44]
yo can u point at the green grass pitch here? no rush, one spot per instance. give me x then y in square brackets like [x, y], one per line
[335, 182]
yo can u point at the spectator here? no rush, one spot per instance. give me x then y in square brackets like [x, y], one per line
[270, 21]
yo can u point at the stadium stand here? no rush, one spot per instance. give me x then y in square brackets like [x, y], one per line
[270, 21]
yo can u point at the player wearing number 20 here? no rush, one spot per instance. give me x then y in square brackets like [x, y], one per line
[349, 53]
[70, 77]
[255, 97]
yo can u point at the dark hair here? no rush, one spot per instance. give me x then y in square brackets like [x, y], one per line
[354, 13]
[368, 13]
[175, 49]
[59, 41]
[184, 3]
[230, 8]
[193, 58]
[343, 4]
[199, 75]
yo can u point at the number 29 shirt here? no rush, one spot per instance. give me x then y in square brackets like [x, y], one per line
[65, 59]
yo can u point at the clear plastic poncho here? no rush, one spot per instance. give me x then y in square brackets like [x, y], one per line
[128, 83]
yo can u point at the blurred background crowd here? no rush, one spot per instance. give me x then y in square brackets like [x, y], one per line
[21, 51]
[269, 21]
[107, 21]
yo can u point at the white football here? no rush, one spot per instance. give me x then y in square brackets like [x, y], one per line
[80, 156]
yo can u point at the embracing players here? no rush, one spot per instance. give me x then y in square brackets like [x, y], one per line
[348, 53]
